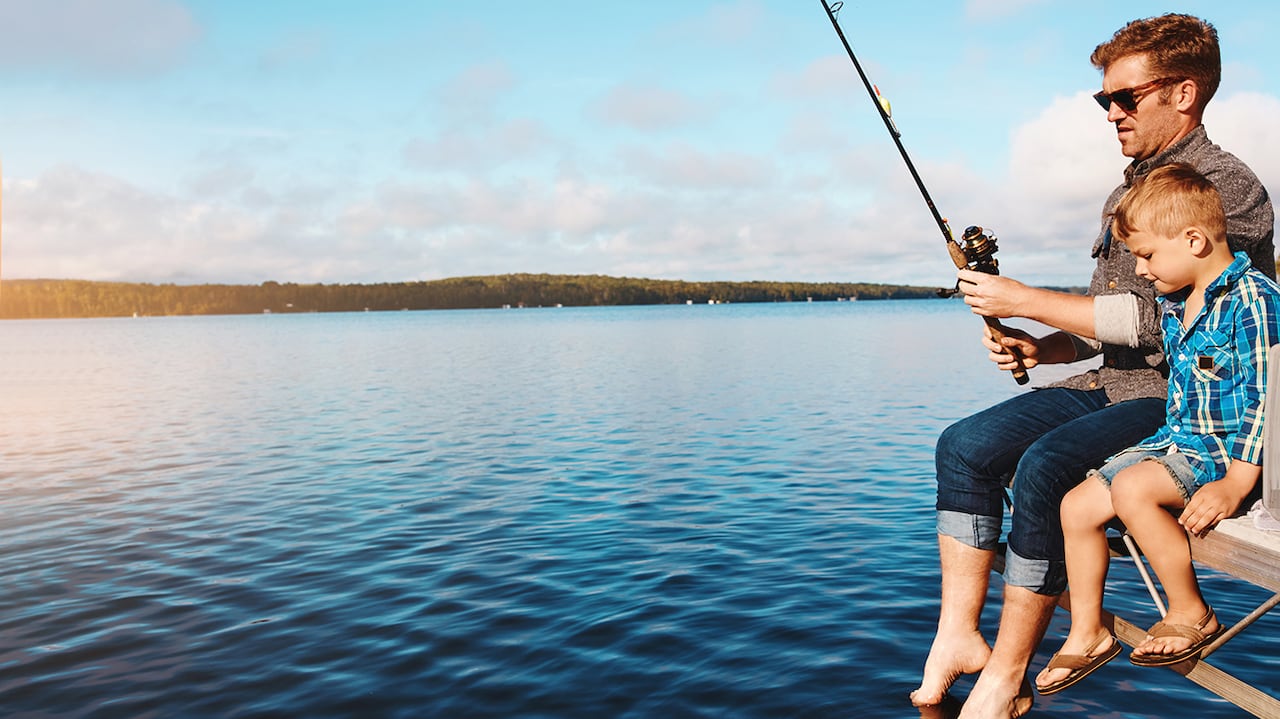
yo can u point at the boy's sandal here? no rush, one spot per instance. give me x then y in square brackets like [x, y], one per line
[1199, 640]
[1081, 665]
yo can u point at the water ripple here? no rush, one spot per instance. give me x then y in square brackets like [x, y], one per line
[625, 512]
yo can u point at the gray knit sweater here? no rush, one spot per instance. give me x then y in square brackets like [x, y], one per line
[1125, 316]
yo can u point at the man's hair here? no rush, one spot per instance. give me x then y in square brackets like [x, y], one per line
[1177, 46]
[1170, 199]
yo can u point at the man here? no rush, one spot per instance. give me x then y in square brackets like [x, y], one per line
[1158, 75]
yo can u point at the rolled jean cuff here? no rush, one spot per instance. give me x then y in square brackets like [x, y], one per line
[975, 530]
[1042, 576]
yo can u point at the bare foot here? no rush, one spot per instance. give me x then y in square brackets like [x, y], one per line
[948, 708]
[949, 657]
[1087, 645]
[993, 698]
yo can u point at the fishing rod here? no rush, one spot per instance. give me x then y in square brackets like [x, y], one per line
[979, 246]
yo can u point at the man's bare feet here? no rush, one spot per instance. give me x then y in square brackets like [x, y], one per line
[994, 698]
[949, 657]
[948, 708]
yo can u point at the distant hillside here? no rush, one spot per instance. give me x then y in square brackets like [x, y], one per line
[30, 299]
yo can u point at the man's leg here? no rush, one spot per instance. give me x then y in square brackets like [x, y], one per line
[1035, 573]
[1002, 690]
[958, 647]
[975, 459]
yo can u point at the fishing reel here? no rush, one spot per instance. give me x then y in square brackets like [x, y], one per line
[976, 250]
[980, 248]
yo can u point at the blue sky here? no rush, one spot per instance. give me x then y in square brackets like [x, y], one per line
[326, 141]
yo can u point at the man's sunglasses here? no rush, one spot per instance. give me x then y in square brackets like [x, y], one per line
[1129, 97]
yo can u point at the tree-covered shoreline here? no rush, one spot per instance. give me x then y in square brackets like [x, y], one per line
[45, 299]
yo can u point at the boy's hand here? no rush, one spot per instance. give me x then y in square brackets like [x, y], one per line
[1210, 504]
[1219, 500]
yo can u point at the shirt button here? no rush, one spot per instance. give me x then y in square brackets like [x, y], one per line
[1111, 285]
[1093, 384]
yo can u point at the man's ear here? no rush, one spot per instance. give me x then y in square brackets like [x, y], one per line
[1185, 95]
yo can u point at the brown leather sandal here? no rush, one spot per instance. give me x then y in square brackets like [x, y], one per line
[1081, 665]
[1199, 640]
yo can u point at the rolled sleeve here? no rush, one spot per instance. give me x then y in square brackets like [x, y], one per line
[1116, 320]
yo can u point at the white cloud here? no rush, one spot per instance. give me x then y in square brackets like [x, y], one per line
[728, 23]
[1065, 153]
[479, 148]
[824, 78]
[581, 208]
[1062, 165]
[472, 96]
[226, 179]
[95, 36]
[825, 208]
[69, 223]
[648, 108]
[710, 225]
[684, 165]
[298, 48]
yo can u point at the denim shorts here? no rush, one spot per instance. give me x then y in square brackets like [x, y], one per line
[1173, 461]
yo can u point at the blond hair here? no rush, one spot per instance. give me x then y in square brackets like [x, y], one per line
[1170, 199]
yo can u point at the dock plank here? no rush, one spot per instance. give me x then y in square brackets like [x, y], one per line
[1238, 548]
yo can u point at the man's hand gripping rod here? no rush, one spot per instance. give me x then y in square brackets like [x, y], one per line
[979, 249]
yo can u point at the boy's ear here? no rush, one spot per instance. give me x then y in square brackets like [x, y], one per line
[1197, 240]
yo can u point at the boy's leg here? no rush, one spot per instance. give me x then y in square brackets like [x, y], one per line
[1143, 497]
[1085, 513]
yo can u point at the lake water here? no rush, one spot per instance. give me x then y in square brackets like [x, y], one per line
[706, 511]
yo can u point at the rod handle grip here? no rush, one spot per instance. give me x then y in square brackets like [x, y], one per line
[997, 333]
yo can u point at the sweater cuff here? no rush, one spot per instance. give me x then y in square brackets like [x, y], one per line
[1115, 319]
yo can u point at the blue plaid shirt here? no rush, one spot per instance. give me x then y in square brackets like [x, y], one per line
[1218, 370]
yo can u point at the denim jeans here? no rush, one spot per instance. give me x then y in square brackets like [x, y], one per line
[1049, 439]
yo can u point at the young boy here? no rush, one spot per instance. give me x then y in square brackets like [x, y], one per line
[1219, 319]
